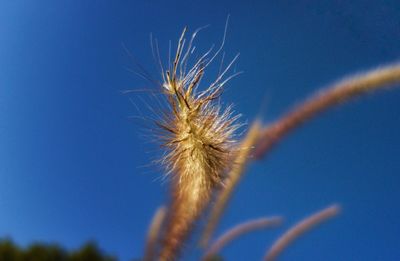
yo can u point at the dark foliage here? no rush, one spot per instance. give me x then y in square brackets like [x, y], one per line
[9, 251]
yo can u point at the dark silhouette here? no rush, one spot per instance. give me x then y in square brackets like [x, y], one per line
[9, 251]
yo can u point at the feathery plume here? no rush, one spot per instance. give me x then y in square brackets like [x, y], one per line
[199, 142]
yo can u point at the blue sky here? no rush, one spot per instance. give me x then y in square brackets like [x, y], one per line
[75, 166]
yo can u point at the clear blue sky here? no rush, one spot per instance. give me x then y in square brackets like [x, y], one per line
[74, 166]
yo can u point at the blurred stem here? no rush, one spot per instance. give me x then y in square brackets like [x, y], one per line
[153, 234]
[237, 231]
[231, 181]
[299, 229]
[265, 138]
[333, 95]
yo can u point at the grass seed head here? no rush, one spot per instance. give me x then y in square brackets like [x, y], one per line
[199, 141]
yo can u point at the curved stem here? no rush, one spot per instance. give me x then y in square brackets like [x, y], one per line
[299, 229]
[230, 183]
[237, 231]
[323, 100]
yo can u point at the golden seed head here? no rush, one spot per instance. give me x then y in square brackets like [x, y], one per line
[199, 132]
[199, 142]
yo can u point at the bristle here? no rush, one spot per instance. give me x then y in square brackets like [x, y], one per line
[198, 136]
